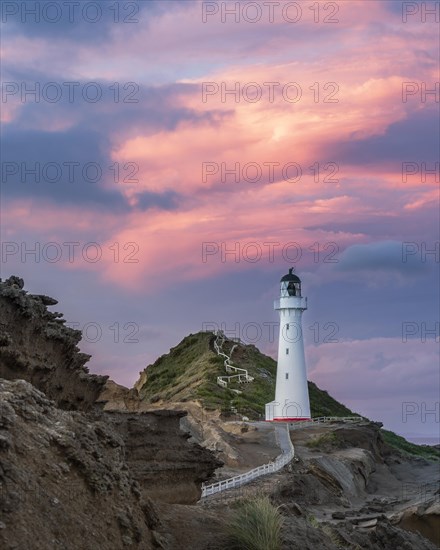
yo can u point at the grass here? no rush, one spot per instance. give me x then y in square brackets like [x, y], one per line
[189, 372]
[323, 404]
[256, 525]
[410, 449]
[328, 439]
[313, 521]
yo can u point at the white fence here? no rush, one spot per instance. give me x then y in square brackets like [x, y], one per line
[272, 467]
[243, 375]
[241, 479]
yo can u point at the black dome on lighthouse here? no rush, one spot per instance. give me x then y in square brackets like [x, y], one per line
[290, 277]
[290, 285]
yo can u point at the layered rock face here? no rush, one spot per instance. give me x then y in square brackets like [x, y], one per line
[159, 456]
[85, 465]
[73, 475]
[422, 518]
[362, 491]
[64, 479]
[37, 347]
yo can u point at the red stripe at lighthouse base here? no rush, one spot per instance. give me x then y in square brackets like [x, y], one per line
[289, 419]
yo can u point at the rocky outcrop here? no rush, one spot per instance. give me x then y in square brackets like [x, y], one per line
[423, 517]
[349, 471]
[365, 436]
[348, 484]
[85, 464]
[37, 347]
[64, 481]
[73, 474]
[335, 467]
[379, 535]
[159, 456]
[75, 481]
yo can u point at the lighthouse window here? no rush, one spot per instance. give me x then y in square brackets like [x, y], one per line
[287, 376]
[287, 326]
[287, 351]
[291, 289]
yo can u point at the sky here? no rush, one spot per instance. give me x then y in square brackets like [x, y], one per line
[165, 163]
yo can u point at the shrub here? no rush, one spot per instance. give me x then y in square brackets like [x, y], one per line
[256, 525]
[327, 440]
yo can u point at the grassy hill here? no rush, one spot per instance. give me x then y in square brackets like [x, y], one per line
[189, 372]
[408, 448]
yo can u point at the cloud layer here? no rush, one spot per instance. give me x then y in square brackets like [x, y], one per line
[227, 151]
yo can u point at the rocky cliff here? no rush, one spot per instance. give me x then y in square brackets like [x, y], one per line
[159, 457]
[73, 475]
[85, 464]
[346, 488]
[36, 346]
[64, 479]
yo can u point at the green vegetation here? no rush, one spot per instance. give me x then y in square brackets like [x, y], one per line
[326, 440]
[313, 521]
[256, 525]
[323, 404]
[190, 370]
[331, 440]
[408, 448]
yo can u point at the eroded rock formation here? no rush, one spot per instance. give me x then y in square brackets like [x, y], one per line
[36, 346]
[73, 475]
[64, 479]
[85, 464]
[165, 465]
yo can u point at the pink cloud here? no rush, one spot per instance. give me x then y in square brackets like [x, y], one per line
[368, 67]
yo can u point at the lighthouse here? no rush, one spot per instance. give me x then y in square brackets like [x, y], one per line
[291, 393]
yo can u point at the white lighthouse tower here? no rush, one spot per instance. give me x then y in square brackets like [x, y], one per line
[291, 393]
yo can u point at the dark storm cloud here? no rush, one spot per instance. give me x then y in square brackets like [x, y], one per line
[121, 107]
[413, 224]
[403, 257]
[48, 153]
[93, 131]
[71, 167]
[89, 22]
[413, 139]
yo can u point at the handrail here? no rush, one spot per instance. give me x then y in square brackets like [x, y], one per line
[259, 471]
[279, 462]
[223, 380]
